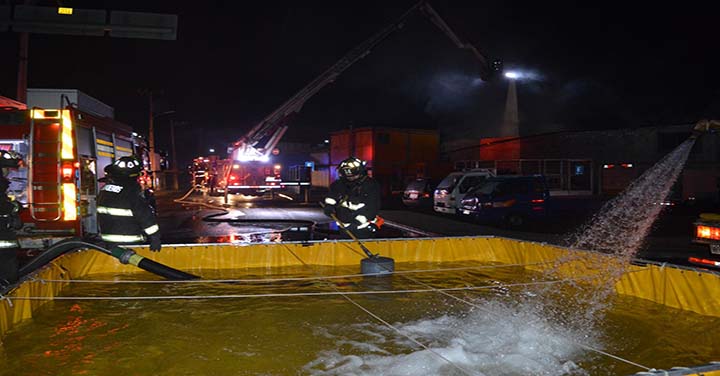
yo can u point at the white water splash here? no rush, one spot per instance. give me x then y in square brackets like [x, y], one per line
[501, 339]
[618, 229]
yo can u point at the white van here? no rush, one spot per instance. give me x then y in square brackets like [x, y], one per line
[452, 189]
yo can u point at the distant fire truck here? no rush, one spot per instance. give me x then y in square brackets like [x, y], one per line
[213, 175]
[65, 152]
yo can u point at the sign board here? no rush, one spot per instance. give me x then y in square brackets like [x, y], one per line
[72, 21]
[143, 25]
[48, 20]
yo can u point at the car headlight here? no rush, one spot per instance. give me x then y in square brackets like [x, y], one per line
[469, 203]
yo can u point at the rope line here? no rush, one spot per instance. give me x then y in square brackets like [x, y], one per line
[378, 318]
[262, 280]
[300, 294]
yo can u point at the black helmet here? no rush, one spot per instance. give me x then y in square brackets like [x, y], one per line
[125, 167]
[351, 168]
[9, 159]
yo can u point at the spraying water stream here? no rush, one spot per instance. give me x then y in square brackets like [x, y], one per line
[618, 229]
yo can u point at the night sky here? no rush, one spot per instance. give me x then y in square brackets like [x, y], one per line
[600, 66]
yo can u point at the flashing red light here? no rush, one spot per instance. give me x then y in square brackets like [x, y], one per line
[233, 177]
[608, 166]
[426, 195]
[707, 232]
[538, 201]
[67, 170]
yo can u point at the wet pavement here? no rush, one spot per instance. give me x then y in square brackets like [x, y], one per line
[205, 219]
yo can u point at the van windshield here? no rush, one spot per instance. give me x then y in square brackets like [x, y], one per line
[449, 182]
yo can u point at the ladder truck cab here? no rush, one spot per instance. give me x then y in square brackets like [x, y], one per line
[65, 150]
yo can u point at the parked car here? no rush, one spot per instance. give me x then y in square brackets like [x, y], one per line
[451, 190]
[419, 193]
[507, 200]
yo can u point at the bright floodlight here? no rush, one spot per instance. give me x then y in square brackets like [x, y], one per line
[512, 75]
[212, 150]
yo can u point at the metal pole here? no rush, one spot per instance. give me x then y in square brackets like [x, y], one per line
[151, 138]
[22, 68]
[175, 168]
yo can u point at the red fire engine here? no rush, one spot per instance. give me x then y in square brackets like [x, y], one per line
[65, 152]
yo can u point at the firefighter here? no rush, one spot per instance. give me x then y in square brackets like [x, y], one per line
[354, 199]
[124, 215]
[9, 221]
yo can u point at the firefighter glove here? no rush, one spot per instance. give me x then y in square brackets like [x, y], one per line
[155, 243]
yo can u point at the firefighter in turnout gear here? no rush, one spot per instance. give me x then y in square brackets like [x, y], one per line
[9, 221]
[354, 199]
[124, 215]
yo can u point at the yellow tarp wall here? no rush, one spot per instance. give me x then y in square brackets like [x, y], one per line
[693, 290]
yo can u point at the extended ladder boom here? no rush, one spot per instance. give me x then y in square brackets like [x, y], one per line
[273, 126]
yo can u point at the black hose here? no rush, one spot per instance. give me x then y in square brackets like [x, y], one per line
[55, 251]
[125, 256]
[164, 270]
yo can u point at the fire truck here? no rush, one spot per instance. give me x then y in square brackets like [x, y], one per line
[250, 156]
[65, 152]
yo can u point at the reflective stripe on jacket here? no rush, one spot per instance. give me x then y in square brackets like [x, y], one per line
[124, 215]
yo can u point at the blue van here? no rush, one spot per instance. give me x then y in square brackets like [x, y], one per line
[508, 200]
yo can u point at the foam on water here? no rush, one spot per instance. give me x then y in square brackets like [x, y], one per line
[500, 339]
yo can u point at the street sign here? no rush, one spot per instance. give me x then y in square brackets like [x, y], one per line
[143, 25]
[72, 21]
[50, 20]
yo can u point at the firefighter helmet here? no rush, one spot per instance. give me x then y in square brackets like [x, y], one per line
[125, 167]
[9, 159]
[351, 168]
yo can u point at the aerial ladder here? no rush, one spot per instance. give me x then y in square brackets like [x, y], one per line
[260, 142]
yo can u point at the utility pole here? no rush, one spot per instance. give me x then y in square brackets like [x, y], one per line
[22, 68]
[151, 128]
[175, 169]
[151, 133]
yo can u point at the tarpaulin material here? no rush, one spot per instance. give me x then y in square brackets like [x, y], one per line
[688, 289]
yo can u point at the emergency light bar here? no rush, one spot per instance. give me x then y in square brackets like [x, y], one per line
[707, 232]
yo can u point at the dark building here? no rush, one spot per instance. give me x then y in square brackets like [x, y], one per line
[598, 162]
